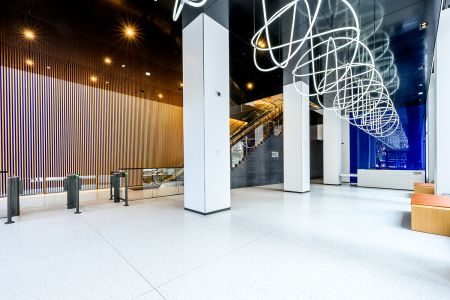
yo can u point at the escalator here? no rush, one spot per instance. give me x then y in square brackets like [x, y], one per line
[244, 120]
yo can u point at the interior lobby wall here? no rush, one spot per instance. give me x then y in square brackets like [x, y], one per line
[50, 128]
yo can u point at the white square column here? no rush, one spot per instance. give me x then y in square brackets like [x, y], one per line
[332, 148]
[206, 110]
[442, 61]
[345, 150]
[296, 139]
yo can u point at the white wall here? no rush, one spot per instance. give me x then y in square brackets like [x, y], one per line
[296, 139]
[259, 134]
[443, 105]
[206, 115]
[332, 148]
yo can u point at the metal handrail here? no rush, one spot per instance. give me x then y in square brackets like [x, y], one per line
[239, 135]
[267, 117]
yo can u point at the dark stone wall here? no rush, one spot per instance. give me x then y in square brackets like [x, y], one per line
[316, 162]
[259, 167]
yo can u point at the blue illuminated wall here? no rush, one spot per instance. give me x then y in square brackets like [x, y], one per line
[368, 153]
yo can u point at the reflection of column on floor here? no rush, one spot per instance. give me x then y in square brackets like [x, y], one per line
[442, 68]
[296, 139]
[332, 147]
[206, 116]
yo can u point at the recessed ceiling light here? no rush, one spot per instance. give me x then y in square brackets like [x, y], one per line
[29, 62]
[107, 60]
[129, 31]
[123, 66]
[181, 84]
[29, 34]
[262, 43]
[250, 86]
[148, 73]
[160, 96]
[420, 93]
[107, 82]
[94, 79]
[48, 67]
[420, 85]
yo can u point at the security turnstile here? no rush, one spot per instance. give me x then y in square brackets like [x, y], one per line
[14, 189]
[114, 189]
[72, 184]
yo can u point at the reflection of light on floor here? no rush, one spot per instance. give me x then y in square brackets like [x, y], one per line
[270, 245]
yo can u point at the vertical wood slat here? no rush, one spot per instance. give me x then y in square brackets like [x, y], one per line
[51, 127]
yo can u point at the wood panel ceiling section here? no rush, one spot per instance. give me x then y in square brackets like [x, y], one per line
[74, 50]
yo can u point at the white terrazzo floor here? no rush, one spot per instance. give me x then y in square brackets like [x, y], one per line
[333, 243]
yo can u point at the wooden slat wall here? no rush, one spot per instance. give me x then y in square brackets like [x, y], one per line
[51, 127]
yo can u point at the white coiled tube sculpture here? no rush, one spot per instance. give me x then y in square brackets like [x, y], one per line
[179, 4]
[347, 77]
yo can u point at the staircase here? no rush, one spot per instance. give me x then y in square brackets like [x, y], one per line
[264, 114]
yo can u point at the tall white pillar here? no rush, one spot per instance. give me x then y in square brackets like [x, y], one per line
[345, 150]
[332, 148]
[431, 129]
[442, 179]
[206, 96]
[296, 139]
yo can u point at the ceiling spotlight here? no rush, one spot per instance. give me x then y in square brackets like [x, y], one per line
[420, 85]
[423, 25]
[48, 67]
[160, 96]
[107, 82]
[420, 93]
[94, 79]
[148, 73]
[29, 62]
[29, 34]
[262, 43]
[129, 31]
[250, 86]
[123, 66]
[107, 60]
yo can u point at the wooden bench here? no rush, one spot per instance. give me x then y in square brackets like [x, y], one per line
[424, 188]
[430, 214]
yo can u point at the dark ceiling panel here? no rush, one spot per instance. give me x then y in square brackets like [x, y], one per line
[399, 20]
[81, 33]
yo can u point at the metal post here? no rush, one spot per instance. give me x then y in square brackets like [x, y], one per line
[110, 186]
[116, 187]
[77, 196]
[126, 189]
[9, 212]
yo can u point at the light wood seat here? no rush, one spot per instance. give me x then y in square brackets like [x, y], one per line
[430, 214]
[424, 188]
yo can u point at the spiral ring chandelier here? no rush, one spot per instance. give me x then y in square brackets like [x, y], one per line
[179, 4]
[347, 77]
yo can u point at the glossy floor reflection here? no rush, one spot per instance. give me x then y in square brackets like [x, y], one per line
[335, 242]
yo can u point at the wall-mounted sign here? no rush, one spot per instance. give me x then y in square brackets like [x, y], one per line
[275, 154]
